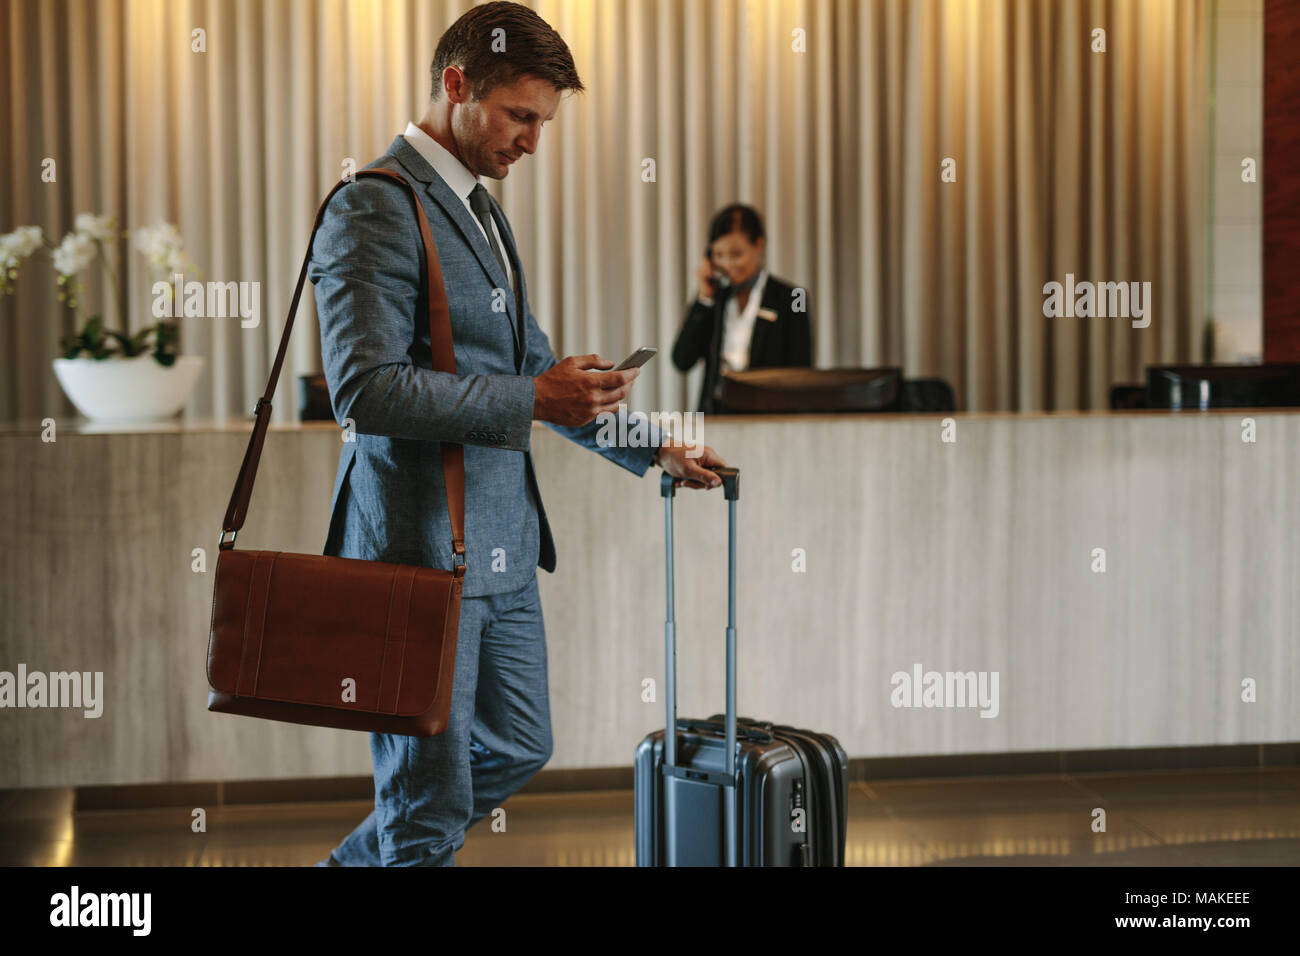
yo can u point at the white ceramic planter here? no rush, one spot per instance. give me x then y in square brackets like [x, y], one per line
[127, 390]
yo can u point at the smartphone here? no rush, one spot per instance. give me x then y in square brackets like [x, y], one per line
[636, 359]
[718, 281]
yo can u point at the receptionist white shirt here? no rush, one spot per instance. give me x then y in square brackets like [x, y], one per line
[738, 327]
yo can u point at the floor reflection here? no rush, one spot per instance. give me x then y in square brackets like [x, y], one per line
[1208, 818]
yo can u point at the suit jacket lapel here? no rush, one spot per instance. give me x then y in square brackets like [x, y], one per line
[455, 210]
[507, 239]
[759, 340]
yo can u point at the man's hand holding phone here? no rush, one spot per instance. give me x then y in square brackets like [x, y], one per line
[574, 391]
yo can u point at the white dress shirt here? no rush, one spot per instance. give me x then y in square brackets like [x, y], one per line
[738, 326]
[459, 178]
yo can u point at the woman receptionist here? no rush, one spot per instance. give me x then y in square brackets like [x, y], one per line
[743, 317]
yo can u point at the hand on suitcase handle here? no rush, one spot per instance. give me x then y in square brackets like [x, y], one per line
[729, 477]
[691, 472]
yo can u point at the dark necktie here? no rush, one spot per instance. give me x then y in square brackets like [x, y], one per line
[478, 201]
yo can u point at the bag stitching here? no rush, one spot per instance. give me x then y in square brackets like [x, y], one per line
[261, 640]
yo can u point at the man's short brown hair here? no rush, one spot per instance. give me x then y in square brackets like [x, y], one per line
[532, 48]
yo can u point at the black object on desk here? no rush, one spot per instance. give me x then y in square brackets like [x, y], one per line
[927, 395]
[781, 390]
[314, 399]
[776, 390]
[1128, 396]
[1223, 386]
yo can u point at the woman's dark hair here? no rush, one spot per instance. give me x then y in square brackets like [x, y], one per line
[532, 48]
[737, 218]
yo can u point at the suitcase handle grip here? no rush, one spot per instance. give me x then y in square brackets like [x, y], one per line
[730, 483]
[758, 736]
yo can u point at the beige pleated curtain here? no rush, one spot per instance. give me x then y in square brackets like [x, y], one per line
[833, 117]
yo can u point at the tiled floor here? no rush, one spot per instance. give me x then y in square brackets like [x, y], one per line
[1212, 818]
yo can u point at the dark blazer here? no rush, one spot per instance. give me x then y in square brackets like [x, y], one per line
[783, 342]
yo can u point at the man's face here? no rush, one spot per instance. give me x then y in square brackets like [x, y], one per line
[505, 124]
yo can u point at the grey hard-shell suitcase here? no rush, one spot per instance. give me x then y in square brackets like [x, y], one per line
[731, 791]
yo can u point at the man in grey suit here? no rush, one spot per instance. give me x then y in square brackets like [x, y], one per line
[498, 74]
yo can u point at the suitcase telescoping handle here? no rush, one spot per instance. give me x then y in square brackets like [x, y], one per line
[731, 492]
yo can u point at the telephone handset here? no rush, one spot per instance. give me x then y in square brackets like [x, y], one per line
[718, 281]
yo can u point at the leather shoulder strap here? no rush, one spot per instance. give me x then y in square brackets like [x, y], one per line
[444, 360]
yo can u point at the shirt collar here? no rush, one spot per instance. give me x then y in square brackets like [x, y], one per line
[753, 302]
[455, 173]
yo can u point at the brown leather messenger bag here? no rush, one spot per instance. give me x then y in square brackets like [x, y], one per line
[340, 642]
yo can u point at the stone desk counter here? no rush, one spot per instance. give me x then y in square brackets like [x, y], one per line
[989, 583]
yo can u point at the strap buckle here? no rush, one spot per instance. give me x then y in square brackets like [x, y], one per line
[223, 544]
[458, 551]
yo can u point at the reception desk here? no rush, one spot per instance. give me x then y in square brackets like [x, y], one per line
[869, 546]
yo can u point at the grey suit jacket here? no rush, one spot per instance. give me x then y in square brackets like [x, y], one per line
[389, 502]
